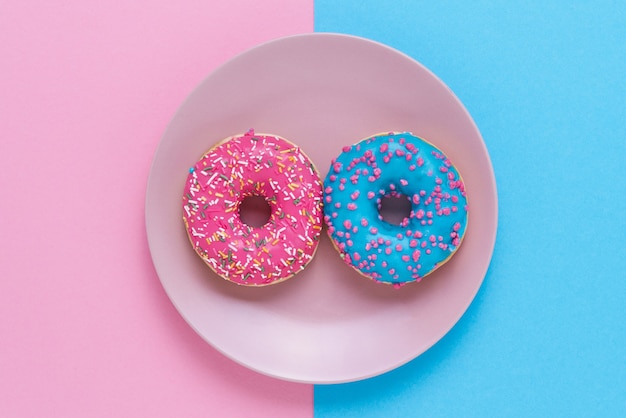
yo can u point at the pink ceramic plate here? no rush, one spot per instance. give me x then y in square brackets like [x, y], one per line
[328, 324]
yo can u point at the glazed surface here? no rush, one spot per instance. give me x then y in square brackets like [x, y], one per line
[254, 165]
[395, 164]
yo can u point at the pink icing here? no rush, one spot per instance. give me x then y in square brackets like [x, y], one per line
[246, 165]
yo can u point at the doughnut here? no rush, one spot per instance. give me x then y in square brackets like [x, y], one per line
[254, 165]
[394, 165]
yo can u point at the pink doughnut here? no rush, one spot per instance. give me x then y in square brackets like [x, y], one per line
[254, 165]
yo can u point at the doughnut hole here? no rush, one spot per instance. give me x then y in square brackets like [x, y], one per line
[394, 208]
[254, 211]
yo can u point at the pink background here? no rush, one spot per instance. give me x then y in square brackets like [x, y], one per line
[86, 91]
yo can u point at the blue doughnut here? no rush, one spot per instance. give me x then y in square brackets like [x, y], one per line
[394, 164]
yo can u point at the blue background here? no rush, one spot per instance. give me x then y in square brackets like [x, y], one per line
[545, 83]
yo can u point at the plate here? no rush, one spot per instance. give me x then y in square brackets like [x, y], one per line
[328, 324]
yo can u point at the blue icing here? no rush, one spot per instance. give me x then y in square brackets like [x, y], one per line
[394, 164]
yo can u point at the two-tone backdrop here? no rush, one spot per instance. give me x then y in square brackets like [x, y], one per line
[86, 91]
